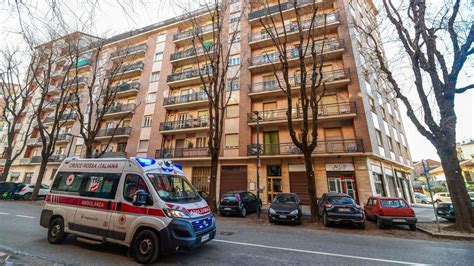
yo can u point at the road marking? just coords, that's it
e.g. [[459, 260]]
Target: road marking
[[315, 252], [24, 216], [4, 213]]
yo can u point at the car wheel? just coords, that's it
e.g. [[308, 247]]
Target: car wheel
[[367, 216], [325, 220], [27, 196], [270, 220], [298, 221], [222, 213], [361, 225], [379, 223], [412, 227], [56, 234], [146, 247], [243, 212]]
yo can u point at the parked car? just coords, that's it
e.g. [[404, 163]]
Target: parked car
[[27, 190], [7, 189], [204, 195], [340, 208], [238, 202], [422, 198], [390, 211], [471, 195], [446, 210], [441, 197], [285, 207]]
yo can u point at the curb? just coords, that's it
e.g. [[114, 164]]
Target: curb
[[444, 235]]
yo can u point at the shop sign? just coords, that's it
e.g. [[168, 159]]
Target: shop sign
[[339, 167]]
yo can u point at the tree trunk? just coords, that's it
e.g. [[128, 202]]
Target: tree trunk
[[6, 170], [39, 180], [213, 182], [457, 188], [310, 178], [89, 151]]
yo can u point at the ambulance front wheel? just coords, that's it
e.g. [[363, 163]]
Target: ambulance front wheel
[[146, 247], [56, 234]]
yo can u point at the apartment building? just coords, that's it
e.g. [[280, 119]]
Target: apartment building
[[362, 147]]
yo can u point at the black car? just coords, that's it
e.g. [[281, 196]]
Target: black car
[[285, 207], [238, 202], [340, 208], [204, 195], [7, 189], [446, 210]]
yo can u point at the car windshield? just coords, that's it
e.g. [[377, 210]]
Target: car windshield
[[342, 200], [395, 203], [173, 188], [229, 197], [471, 194], [285, 199]]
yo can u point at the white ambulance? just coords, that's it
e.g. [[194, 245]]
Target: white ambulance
[[147, 205]]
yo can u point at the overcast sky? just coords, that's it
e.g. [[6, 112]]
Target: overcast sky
[[111, 18]]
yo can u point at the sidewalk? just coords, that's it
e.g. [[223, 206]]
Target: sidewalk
[[431, 228], [9, 257]]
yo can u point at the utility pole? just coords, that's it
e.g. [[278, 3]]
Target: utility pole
[[258, 164], [427, 176]]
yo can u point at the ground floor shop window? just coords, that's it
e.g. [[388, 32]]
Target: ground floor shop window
[[379, 184], [342, 182], [200, 178], [273, 181]]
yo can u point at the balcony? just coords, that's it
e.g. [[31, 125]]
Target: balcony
[[190, 55], [55, 158], [82, 63], [337, 147], [130, 52], [287, 10], [187, 78], [63, 138], [113, 154], [320, 26], [62, 119], [333, 79], [126, 71], [326, 112], [167, 153], [187, 100], [126, 89], [120, 110], [120, 132], [53, 90], [78, 81], [186, 37], [34, 141], [332, 49], [18, 126], [25, 160], [197, 124]]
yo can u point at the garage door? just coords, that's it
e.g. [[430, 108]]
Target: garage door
[[298, 185], [233, 178]]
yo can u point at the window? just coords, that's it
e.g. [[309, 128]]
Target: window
[[233, 84], [132, 184], [201, 142], [159, 56], [161, 37], [273, 170], [372, 103], [236, 37], [28, 177], [390, 143], [155, 76], [378, 134], [232, 111], [151, 97], [100, 185], [234, 60], [384, 116], [68, 182], [147, 120], [78, 150], [378, 184], [143, 146], [231, 141]]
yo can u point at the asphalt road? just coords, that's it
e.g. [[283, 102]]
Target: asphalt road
[[235, 243]]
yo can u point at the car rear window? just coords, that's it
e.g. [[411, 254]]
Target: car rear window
[[342, 200], [397, 203], [229, 197]]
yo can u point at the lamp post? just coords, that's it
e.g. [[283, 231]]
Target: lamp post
[[258, 164]]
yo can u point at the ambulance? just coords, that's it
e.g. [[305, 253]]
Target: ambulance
[[145, 204]]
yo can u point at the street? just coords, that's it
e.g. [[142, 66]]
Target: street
[[235, 243]]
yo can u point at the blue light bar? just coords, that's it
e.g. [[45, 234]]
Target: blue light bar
[[144, 162], [179, 166]]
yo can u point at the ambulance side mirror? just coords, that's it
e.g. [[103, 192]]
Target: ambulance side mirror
[[141, 198]]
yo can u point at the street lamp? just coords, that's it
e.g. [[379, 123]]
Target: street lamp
[[258, 163]]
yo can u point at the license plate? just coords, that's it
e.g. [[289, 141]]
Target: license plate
[[440, 212], [399, 220], [227, 209], [205, 238], [344, 210], [282, 216]]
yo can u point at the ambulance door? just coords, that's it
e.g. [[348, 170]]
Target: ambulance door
[[126, 213], [95, 204]]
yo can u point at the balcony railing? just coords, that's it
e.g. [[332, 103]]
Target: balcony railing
[[186, 98], [130, 50], [292, 28], [74, 81], [126, 87], [63, 137], [187, 74], [112, 154], [328, 46], [182, 153], [324, 110], [185, 124], [322, 147], [126, 68], [52, 158], [189, 52], [190, 33], [109, 132], [71, 116], [276, 8], [272, 85], [121, 108], [80, 64]]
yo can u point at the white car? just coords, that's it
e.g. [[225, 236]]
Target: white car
[[441, 197], [27, 190]]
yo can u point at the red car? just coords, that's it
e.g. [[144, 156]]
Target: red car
[[389, 211]]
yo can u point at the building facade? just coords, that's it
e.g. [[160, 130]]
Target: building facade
[[362, 147]]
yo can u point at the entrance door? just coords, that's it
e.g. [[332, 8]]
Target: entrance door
[[233, 178], [350, 190], [299, 185], [182, 120], [333, 137], [271, 143], [342, 182], [328, 105], [268, 111], [335, 185], [178, 151]]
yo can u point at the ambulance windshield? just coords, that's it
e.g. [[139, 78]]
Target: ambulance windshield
[[173, 188]]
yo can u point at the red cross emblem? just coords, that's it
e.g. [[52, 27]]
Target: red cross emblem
[[70, 180], [122, 219]]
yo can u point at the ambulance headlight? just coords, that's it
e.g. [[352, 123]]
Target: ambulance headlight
[[172, 213]]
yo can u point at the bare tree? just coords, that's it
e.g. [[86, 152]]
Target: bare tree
[[437, 44], [215, 74], [308, 83], [16, 93]]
